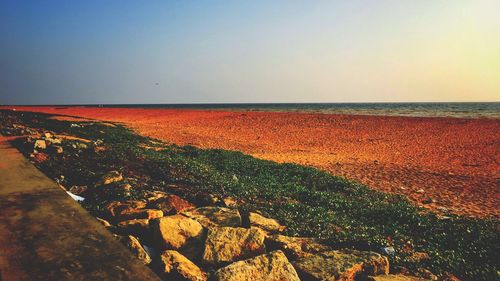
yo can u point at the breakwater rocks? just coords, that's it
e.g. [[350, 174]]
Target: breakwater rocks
[[222, 244]]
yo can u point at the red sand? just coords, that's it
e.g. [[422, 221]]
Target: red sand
[[453, 161]]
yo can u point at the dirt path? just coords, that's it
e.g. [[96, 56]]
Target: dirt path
[[449, 163]]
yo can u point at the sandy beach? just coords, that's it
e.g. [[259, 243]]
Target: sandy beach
[[445, 164]]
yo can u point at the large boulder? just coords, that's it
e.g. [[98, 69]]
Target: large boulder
[[171, 204], [341, 265], [174, 232], [267, 224], [215, 216], [270, 267], [295, 247], [136, 248], [174, 266], [227, 244]]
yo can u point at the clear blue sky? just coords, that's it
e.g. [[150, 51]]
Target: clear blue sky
[[116, 51]]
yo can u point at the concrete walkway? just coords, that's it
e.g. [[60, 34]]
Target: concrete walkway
[[45, 235]]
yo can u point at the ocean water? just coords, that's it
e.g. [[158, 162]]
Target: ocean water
[[458, 110]]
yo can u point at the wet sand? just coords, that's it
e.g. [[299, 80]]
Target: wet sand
[[445, 164]]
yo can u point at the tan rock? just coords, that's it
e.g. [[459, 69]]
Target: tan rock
[[78, 189], [230, 202], [227, 244], [136, 248], [171, 204], [116, 208], [392, 277], [341, 265], [111, 177], [267, 224], [139, 227], [140, 214], [152, 196], [295, 247], [40, 144], [215, 216], [104, 222], [58, 149], [270, 267], [125, 186], [418, 257], [174, 232], [174, 266]]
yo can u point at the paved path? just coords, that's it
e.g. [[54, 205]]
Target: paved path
[[45, 235]]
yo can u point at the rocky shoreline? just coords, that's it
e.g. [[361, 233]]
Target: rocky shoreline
[[187, 234], [442, 164]]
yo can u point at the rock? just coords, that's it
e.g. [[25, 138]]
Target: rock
[[116, 208], [125, 186], [174, 232], [78, 190], [98, 149], [341, 265], [449, 277], [58, 149], [295, 247], [271, 267], [391, 277], [136, 248], [152, 196], [104, 222], [139, 227], [111, 177], [215, 216], [174, 266], [270, 225], [230, 202], [206, 199], [420, 191], [419, 257], [140, 214], [171, 204], [390, 251], [427, 274], [227, 244], [40, 144], [80, 145]]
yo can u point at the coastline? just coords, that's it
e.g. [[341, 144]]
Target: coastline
[[132, 184], [440, 163]]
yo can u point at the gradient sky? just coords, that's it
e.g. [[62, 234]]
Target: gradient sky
[[115, 51]]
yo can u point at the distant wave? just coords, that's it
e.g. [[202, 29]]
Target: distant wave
[[459, 110]]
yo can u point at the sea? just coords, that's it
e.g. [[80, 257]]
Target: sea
[[453, 109]]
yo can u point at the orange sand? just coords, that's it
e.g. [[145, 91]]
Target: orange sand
[[453, 161]]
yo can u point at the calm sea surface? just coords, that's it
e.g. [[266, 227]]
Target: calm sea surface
[[463, 110]]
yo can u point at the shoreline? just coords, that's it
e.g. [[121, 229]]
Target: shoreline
[[443, 164], [134, 184]]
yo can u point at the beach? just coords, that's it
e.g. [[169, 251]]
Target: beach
[[444, 164]]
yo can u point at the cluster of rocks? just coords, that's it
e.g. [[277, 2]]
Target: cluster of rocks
[[181, 241]]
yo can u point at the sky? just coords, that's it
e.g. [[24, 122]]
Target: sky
[[119, 51]]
